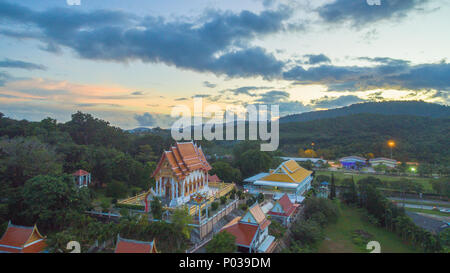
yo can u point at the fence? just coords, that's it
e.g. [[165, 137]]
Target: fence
[[206, 229]]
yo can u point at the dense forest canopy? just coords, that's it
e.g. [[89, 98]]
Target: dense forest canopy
[[412, 108]]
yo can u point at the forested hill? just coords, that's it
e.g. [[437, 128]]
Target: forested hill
[[414, 108], [422, 139]]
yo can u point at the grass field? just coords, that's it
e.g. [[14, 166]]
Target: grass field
[[339, 237], [341, 175]]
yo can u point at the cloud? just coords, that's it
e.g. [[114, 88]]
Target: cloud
[[316, 59], [201, 96], [8, 63], [138, 93], [209, 85], [246, 90], [181, 99], [4, 77], [392, 74], [333, 102], [154, 119], [219, 42], [98, 104], [358, 13], [273, 97]]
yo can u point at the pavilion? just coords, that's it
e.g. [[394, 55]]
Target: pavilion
[[82, 178]]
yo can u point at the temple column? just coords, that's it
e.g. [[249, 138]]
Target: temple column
[[172, 188]]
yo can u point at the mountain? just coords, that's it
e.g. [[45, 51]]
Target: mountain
[[139, 130], [413, 108], [423, 139]]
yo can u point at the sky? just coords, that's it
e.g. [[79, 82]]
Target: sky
[[130, 62]]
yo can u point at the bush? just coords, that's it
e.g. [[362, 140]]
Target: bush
[[260, 198], [223, 200], [214, 206], [243, 207], [129, 206]]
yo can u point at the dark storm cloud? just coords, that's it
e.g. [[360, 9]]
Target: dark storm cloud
[[360, 13], [316, 59], [395, 74], [333, 102], [219, 44], [8, 63]]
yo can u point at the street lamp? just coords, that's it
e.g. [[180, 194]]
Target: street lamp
[[391, 145]]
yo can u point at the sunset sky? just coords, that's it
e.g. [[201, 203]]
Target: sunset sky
[[128, 62]]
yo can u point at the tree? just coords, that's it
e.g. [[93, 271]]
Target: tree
[[24, 158], [226, 172], [223, 242], [254, 161], [182, 220], [49, 200], [116, 189], [332, 188], [156, 208]]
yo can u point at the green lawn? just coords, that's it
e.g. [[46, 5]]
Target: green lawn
[[339, 235], [341, 175]]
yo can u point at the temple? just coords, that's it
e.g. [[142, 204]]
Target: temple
[[181, 172], [133, 246], [21, 239], [284, 210], [289, 178], [252, 231]]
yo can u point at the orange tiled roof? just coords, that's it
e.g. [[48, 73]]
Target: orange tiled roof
[[80, 173], [133, 246], [243, 232], [184, 158], [21, 239], [288, 171], [214, 178], [259, 216]]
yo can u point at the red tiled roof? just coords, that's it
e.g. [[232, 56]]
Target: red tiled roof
[[80, 173], [243, 232], [214, 178], [16, 237], [132, 246], [184, 158], [286, 204]]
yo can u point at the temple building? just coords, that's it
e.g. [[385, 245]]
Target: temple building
[[181, 172], [284, 210], [82, 178], [22, 239], [252, 231], [288, 178], [133, 246]]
